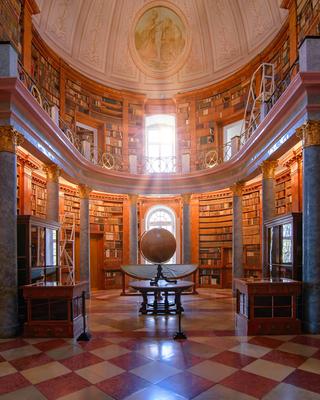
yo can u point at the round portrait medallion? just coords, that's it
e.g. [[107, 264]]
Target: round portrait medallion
[[160, 40]]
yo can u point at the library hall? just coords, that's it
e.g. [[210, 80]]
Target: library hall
[[159, 199]]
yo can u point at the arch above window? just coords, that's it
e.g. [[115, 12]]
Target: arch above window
[[161, 216]]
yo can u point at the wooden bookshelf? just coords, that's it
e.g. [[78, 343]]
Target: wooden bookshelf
[[183, 131], [215, 239], [135, 132], [39, 197], [283, 194], [114, 141], [308, 18], [19, 197], [46, 75], [251, 213], [72, 205]]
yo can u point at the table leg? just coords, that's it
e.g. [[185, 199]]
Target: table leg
[[166, 303], [155, 303], [179, 334], [143, 308]]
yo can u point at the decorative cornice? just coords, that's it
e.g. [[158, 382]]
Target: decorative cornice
[[53, 173], [309, 133], [268, 168], [237, 188], [84, 191], [9, 139]]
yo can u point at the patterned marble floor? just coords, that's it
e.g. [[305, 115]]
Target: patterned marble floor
[[133, 357]]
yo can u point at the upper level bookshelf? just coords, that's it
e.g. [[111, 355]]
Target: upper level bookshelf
[[46, 75]]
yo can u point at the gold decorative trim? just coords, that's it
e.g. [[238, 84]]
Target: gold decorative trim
[[84, 191], [186, 197], [237, 188], [268, 169], [309, 133], [9, 139], [53, 173], [133, 198]]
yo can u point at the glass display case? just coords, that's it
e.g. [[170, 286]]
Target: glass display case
[[37, 253], [283, 246]]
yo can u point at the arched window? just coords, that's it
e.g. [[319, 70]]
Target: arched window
[[162, 217]]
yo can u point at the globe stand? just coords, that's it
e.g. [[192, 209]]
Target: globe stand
[[160, 276]]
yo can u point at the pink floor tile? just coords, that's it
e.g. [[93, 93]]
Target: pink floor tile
[[233, 359], [285, 358], [13, 344], [130, 361], [122, 385], [94, 343], [186, 384], [31, 361], [50, 344], [182, 360], [305, 380], [307, 340], [248, 383], [81, 361], [12, 382], [266, 341], [61, 386]]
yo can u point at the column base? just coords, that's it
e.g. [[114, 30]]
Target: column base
[[311, 327], [10, 331]]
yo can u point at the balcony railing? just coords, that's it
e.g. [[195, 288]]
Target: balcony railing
[[149, 165]]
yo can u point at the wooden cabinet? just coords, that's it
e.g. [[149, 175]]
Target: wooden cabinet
[[54, 310], [37, 253], [112, 278], [267, 307], [283, 246], [218, 271]]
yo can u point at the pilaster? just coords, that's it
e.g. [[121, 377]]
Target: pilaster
[[84, 256]]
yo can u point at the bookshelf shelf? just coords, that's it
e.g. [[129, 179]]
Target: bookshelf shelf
[[215, 240]]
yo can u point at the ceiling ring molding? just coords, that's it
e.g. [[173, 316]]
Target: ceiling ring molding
[[172, 24]]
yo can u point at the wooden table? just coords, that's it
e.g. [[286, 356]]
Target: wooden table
[[163, 307], [158, 306]]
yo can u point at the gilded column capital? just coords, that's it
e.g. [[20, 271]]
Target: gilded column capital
[[236, 189], [84, 191], [133, 198], [9, 139], [186, 197], [309, 133], [53, 173], [268, 169]]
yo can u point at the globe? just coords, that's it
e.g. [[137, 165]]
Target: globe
[[157, 245]]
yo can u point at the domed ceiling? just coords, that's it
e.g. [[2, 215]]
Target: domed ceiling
[[160, 47]]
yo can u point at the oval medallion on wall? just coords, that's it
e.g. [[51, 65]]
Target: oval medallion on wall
[[159, 41]]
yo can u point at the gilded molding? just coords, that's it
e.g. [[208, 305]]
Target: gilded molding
[[53, 173], [9, 139], [237, 188], [309, 133], [84, 191], [268, 169], [186, 197], [133, 198]]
